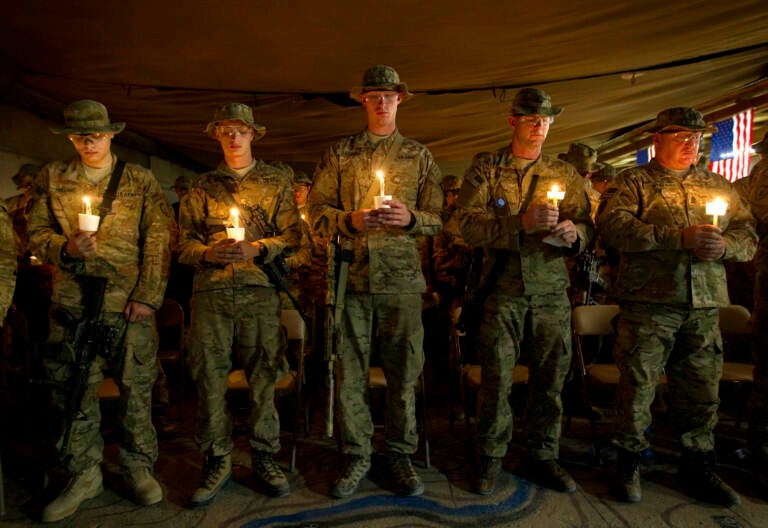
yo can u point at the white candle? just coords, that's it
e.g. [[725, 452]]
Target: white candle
[[555, 194], [716, 208], [87, 203], [380, 176], [235, 217]]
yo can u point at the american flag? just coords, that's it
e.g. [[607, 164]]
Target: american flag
[[729, 155], [645, 155]]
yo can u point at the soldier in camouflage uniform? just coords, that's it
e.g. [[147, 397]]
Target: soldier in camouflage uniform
[[18, 206], [670, 283], [7, 261], [233, 300], [504, 209], [383, 302], [758, 402], [131, 249]]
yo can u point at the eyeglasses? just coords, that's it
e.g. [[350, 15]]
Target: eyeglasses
[[683, 137], [375, 97], [534, 120], [232, 131], [80, 139]]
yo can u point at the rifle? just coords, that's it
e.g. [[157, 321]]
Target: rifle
[[589, 264], [91, 336], [340, 254], [276, 269]]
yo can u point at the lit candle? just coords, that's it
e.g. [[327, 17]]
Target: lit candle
[[380, 176], [235, 217], [555, 195], [87, 203], [716, 209]]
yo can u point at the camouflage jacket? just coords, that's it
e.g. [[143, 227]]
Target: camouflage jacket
[[133, 240], [490, 217], [758, 203], [644, 221], [7, 261], [205, 214], [386, 260], [451, 256]]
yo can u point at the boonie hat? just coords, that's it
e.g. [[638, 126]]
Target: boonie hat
[[582, 157], [235, 112], [380, 77], [605, 173], [181, 183], [301, 178], [450, 183], [28, 170], [87, 117], [681, 118], [530, 101]]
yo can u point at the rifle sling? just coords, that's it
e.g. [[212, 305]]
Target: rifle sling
[[111, 192]]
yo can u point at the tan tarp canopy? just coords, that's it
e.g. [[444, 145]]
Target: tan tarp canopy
[[164, 66]]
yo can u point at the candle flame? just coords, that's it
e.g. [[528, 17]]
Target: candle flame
[[87, 202], [235, 217], [380, 176]]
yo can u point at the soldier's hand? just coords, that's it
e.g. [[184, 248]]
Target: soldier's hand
[[565, 231], [224, 251], [82, 245], [365, 220], [136, 311], [397, 215], [540, 216], [250, 250], [705, 241]]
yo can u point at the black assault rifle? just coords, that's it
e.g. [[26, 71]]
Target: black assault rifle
[[340, 254], [91, 337]]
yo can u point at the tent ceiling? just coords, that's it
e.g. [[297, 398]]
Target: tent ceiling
[[164, 68]]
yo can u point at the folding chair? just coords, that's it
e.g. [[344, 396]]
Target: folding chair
[[291, 383], [170, 328], [735, 329]]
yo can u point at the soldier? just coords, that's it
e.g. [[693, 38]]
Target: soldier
[[131, 249], [507, 207], [582, 157], [233, 299], [18, 206], [7, 261], [383, 301], [670, 283], [758, 404]]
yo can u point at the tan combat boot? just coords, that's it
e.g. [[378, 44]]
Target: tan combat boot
[[81, 487], [146, 490], [217, 471]]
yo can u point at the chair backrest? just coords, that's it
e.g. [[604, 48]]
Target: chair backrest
[[734, 319], [594, 319]]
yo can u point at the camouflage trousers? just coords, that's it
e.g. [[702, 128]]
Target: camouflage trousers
[[538, 328], [248, 317], [390, 325], [758, 400], [131, 361], [687, 345]]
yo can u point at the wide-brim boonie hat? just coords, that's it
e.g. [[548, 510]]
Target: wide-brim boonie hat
[[761, 147], [581, 156], [681, 118], [235, 112], [87, 117], [532, 101], [380, 77], [28, 170]]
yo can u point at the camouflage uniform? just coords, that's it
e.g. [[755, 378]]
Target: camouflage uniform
[[528, 311], [758, 403], [383, 302], [236, 302], [669, 298], [7, 261], [134, 255]]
